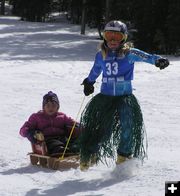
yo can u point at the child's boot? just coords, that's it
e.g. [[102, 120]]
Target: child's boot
[[120, 159], [84, 166], [93, 159]]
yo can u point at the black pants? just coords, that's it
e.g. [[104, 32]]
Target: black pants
[[57, 144]]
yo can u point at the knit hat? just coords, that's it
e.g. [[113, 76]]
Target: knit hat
[[50, 97]]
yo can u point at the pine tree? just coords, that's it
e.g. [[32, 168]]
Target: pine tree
[[173, 27], [32, 10], [2, 11], [160, 13]]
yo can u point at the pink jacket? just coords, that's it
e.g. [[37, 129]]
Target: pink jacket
[[55, 125]]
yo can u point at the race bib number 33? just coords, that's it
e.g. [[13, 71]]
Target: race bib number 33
[[112, 68]]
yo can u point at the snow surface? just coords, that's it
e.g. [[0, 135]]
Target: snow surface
[[38, 57]]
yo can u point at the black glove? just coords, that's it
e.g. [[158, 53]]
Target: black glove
[[162, 63], [31, 136], [88, 87]]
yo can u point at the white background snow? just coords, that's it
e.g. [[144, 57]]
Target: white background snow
[[38, 57]]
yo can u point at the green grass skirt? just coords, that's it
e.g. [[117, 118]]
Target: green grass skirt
[[102, 124]]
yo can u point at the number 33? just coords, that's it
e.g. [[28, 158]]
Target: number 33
[[112, 68]]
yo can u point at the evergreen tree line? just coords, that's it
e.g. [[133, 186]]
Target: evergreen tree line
[[154, 24]]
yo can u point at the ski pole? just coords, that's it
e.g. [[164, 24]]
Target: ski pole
[[62, 157]]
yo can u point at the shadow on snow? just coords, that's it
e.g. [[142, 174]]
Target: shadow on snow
[[44, 41]]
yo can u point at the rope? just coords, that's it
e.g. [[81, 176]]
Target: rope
[[62, 157]]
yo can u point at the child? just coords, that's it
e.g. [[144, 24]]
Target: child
[[113, 117], [54, 125]]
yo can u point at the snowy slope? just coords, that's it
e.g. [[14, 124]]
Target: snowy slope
[[36, 58]]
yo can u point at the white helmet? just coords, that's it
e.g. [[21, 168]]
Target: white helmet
[[117, 26]]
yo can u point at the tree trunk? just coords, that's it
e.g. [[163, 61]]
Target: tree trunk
[[2, 7], [83, 20], [107, 11]]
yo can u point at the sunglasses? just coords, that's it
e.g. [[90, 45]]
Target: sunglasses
[[113, 35]]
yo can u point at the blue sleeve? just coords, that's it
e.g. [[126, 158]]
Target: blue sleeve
[[96, 69], [136, 55]]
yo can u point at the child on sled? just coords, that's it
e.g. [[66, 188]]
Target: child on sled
[[112, 120], [55, 126]]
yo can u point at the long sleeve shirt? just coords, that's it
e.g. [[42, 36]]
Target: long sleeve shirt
[[117, 71]]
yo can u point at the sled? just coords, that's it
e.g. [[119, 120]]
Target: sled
[[69, 161], [41, 158]]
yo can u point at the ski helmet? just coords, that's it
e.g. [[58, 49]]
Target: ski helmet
[[116, 26]]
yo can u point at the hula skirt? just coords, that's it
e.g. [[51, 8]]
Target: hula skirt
[[112, 125]]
